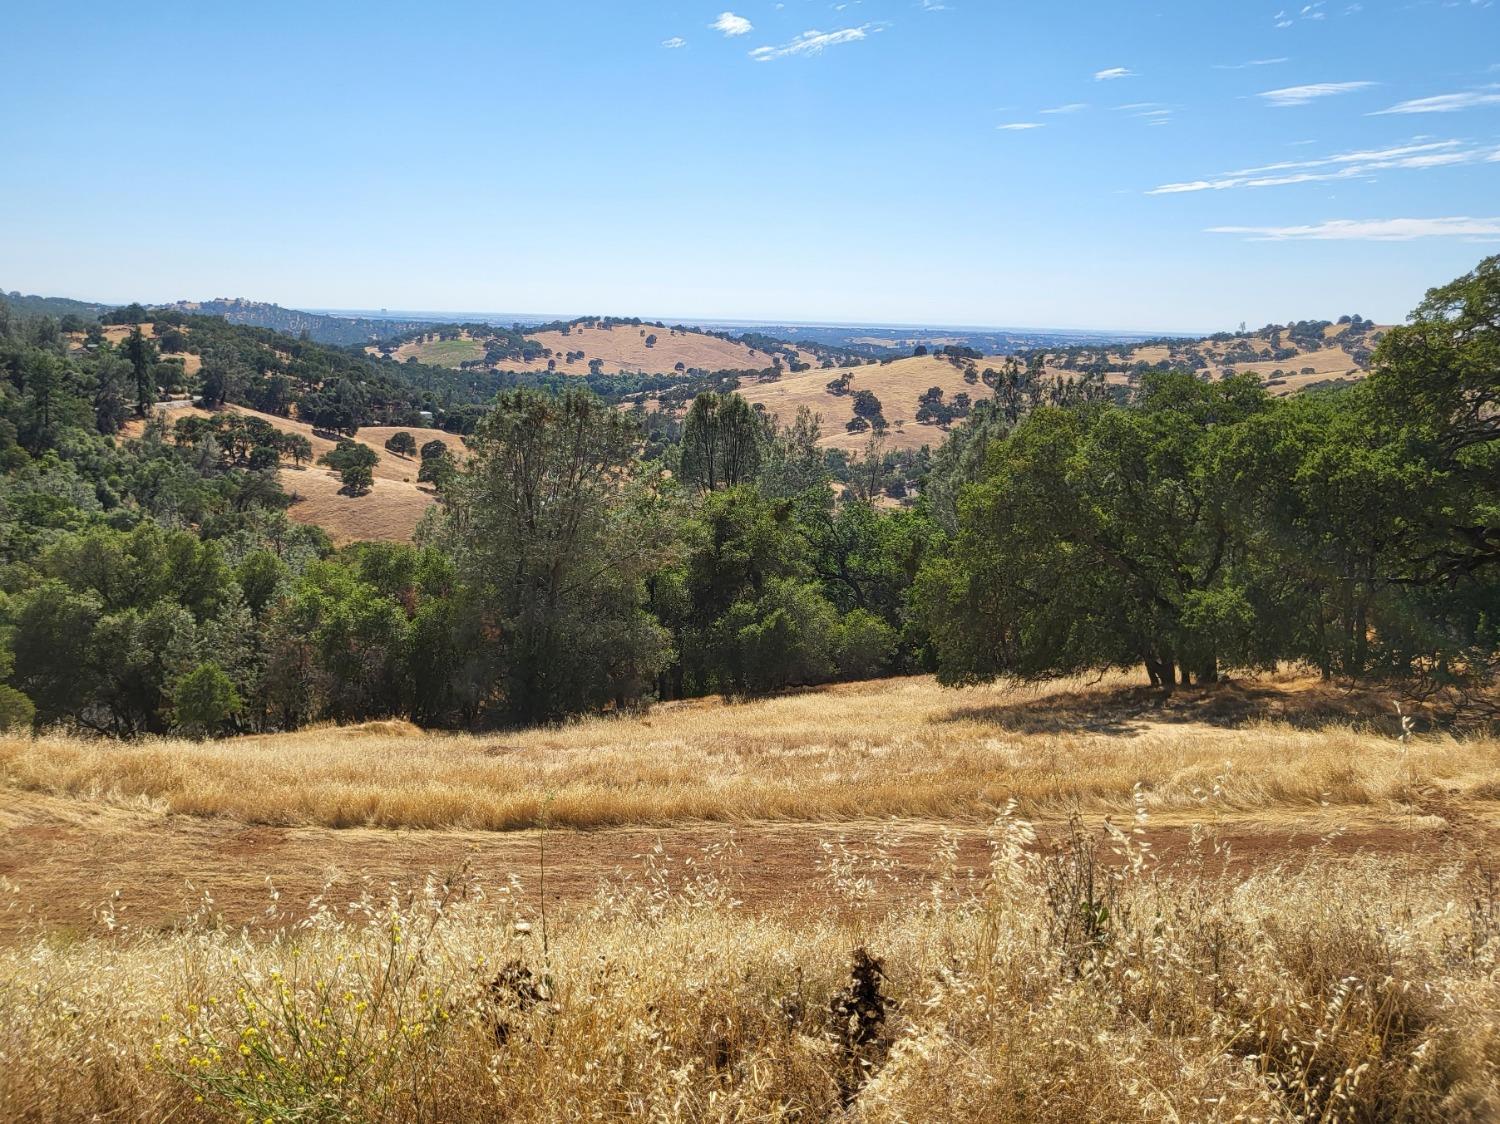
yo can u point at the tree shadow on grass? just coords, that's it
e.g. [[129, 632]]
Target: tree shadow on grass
[[1231, 704]]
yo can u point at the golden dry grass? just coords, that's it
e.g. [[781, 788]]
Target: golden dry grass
[[903, 748], [1063, 988], [622, 348]]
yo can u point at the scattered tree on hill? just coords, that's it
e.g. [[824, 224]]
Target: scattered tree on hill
[[297, 447], [438, 468], [354, 463], [403, 444]]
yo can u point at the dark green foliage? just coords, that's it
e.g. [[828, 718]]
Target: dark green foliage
[[438, 468], [585, 556], [403, 444], [1209, 525], [553, 538], [722, 442], [204, 701], [354, 462]]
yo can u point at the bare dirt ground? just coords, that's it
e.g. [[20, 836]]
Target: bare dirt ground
[[66, 865]]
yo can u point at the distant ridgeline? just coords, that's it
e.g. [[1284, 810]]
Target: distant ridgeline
[[1285, 356], [22, 304], [841, 342], [340, 330], [335, 388]]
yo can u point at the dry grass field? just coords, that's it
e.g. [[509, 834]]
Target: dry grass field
[[871, 902], [1328, 362]]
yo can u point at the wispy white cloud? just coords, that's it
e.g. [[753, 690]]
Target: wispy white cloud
[[1446, 103], [1369, 230], [1113, 73], [1071, 107], [732, 25], [1301, 95], [813, 43], [1252, 63], [1020, 126], [934, 6], [1153, 112], [674, 43], [1347, 165], [1313, 11]]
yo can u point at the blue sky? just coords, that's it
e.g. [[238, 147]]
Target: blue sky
[[1099, 163]]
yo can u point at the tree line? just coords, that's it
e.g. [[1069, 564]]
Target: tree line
[[581, 560]]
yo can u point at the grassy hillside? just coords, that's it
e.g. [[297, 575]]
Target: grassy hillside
[[898, 385], [389, 512], [1286, 364], [619, 347]]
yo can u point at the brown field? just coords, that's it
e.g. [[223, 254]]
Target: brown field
[[1328, 362], [1249, 903], [389, 512]]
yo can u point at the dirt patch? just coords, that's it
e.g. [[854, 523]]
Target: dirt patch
[[67, 864]]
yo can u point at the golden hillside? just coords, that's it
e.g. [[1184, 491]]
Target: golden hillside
[[623, 348], [900, 384], [389, 512]]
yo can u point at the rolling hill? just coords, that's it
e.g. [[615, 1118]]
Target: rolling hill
[[600, 346], [1288, 359], [388, 512], [29, 304], [338, 330]]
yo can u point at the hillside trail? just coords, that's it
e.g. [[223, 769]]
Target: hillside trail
[[66, 864]]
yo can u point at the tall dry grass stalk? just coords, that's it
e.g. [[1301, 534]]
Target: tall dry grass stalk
[[1073, 986], [905, 748]]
